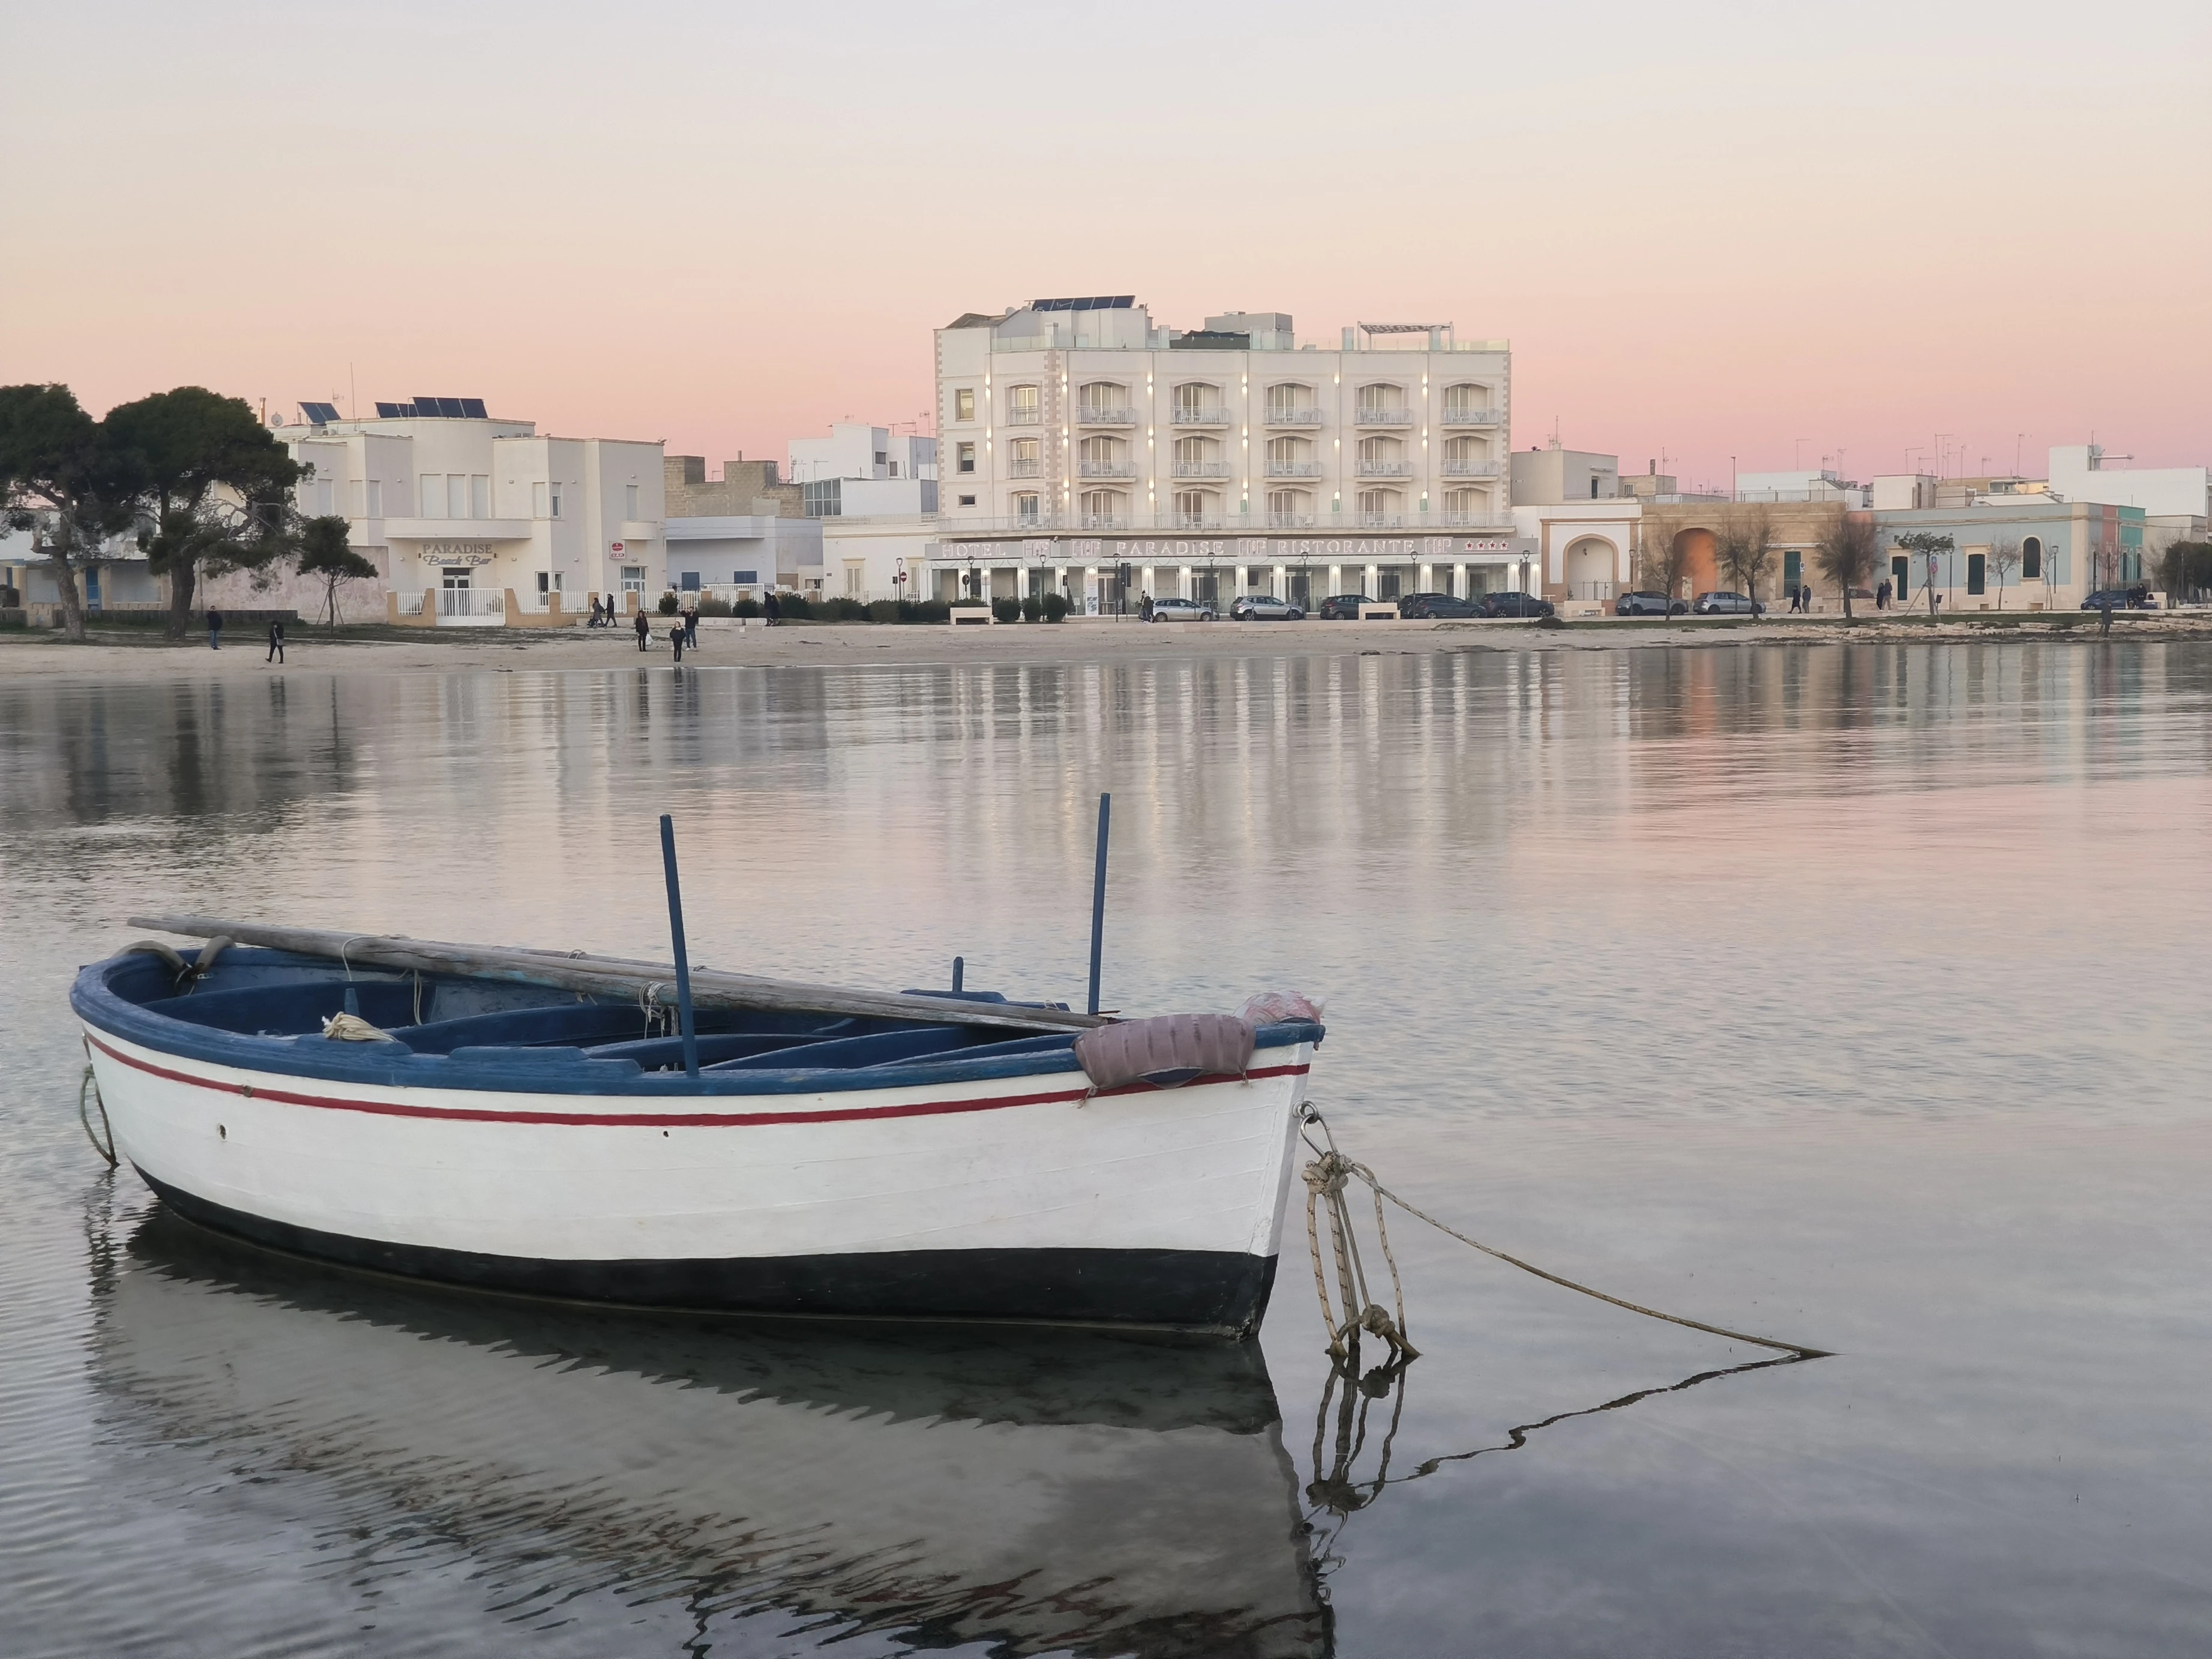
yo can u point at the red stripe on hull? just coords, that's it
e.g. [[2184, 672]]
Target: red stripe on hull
[[655, 1119]]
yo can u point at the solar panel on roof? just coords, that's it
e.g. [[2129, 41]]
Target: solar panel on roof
[[320, 413], [425, 406], [473, 407], [392, 411], [452, 410], [1088, 303]]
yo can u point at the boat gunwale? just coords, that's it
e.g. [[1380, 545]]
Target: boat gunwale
[[549, 1070]]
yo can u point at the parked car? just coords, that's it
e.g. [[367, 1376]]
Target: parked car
[[1181, 611], [1342, 607], [1515, 605], [1436, 607], [1265, 607], [1728, 604], [2121, 599], [1648, 605]]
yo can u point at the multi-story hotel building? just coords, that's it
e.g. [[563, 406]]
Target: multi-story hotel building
[[1077, 441]]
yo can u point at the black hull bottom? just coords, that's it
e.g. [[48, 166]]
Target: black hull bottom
[[1209, 1291]]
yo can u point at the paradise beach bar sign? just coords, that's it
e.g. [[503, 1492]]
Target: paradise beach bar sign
[[456, 552]]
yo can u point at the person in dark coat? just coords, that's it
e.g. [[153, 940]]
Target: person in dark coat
[[769, 609], [691, 626], [214, 631], [277, 641], [676, 641], [644, 630]]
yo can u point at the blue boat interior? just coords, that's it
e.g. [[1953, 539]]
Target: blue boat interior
[[275, 994]]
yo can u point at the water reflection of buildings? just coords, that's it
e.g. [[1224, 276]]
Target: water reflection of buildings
[[1042, 1491]]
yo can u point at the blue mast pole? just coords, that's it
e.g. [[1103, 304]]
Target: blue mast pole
[[1099, 899], [676, 935]]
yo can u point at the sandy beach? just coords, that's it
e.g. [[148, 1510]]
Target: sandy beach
[[140, 654]]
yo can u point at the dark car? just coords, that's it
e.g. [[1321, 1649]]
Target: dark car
[[2120, 598], [1342, 607], [1436, 607], [1648, 605], [1728, 604], [1515, 605]]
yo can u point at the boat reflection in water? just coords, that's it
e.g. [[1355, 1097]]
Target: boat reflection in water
[[1038, 1490]]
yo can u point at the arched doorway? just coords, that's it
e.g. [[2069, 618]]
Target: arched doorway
[[1592, 569], [1700, 562]]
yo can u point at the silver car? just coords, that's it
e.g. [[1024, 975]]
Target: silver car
[[1181, 611], [1265, 607]]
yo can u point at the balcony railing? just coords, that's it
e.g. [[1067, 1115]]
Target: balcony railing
[[1287, 417], [1190, 414], [1023, 417], [1468, 415], [1379, 520], [1473, 520], [1289, 520], [1386, 469], [1105, 414], [1472, 469], [1025, 469], [1106, 521], [1201, 469], [1372, 414], [1191, 520], [1106, 470], [1294, 469]]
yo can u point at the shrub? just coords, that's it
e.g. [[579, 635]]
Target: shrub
[[1007, 610], [791, 608], [886, 611], [711, 606], [846, 609], [929, 611], [1032, 608], [1055, 607], [668, 603], [744, 605]]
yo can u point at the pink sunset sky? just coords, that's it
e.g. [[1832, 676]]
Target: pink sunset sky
[[1775, 234]]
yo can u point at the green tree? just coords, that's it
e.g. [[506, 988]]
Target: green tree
[[1847, 554], [1927, 544], [61, 479], [326, 555], [219, 489]]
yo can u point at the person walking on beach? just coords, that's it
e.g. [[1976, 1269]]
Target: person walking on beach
[[1144, 607], [769, 609], [676, 641], [644, 630], [214, 631], [277, 641], [691, 626]]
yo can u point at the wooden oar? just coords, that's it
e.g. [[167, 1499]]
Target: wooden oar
[[618, 976]]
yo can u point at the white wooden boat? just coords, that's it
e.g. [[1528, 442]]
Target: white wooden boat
[[523, 1122], [1047, 1492]]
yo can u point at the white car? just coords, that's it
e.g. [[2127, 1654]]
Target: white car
[[1181, 611], [1264, 607]]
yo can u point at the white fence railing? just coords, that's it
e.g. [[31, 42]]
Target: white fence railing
[[472, 602], [1468, 415], [1287, 417]]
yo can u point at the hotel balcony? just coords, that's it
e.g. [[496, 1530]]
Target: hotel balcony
[[1473, 520], [1106, 470], [1294, 469], [1190, 521], [1104, 415], [1386, 469], [1467, 414], [1375, 416], [1474, 469], [1201, 469], [1379, 520], [1025, 469], [1294, 418], [1289, 520], [1023, 417], [459, 529], [1185, 415], [1106, 521]]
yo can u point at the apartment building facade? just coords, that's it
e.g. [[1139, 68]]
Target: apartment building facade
[[1085, 450], [472, 519]]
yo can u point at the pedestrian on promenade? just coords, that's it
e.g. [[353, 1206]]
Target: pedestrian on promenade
[[691, 626], [676, 641], [277, 641], [769, 609], [1144, 607], [214, 631], [644, 630]]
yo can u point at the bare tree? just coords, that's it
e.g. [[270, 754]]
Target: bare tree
[[2002, 559], [1847, 554], [1663, 561], [1744, 548]]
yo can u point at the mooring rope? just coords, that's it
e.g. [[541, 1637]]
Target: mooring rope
[[90, 1085], [1331, 1168]]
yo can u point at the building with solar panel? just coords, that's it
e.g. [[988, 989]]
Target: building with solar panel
[[1084, 450], [476, 521]]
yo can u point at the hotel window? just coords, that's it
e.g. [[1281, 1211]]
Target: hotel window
[[1102, 508], [1288, 399], [963, 403], [966, 500], [376, 498], [479, 496], [1022, 406], [432, 502], [1025, 507], [1025, 458], [1284, 504], [556, 493], [1461, 402], [1192, 506], [965, 456], [1381, 400], [1104, 398], [630, 502]]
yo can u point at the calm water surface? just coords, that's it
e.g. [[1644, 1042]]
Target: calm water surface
[[1857, 996]]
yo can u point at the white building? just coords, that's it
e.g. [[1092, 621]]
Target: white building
[[744, 556], [1078, 440], [450, 502], [862, 470], [1553, 474], [2078, 473]]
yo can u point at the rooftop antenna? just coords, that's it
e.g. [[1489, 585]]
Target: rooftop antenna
[[353, 395]]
